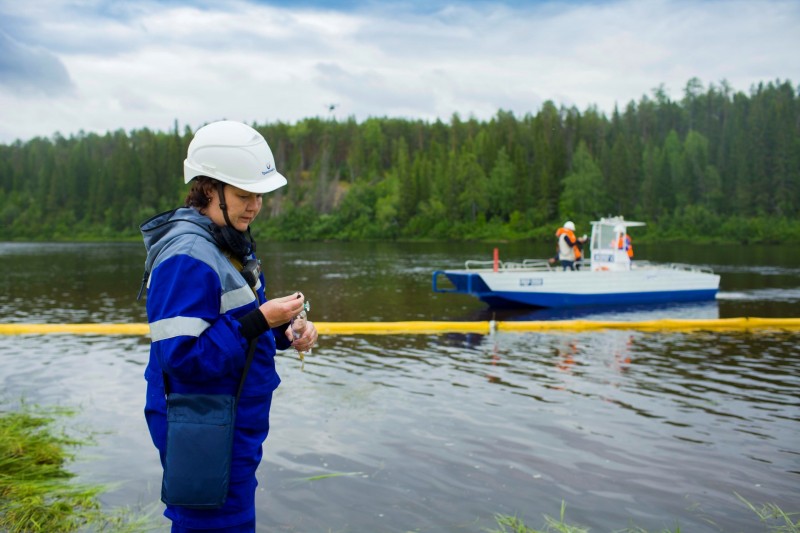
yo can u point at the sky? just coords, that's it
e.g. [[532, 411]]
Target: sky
[[102, 65]]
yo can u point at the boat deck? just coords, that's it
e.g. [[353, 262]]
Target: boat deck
[[543, 265]]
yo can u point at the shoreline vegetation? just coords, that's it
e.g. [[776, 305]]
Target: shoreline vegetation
[[714, 166], [38, 493], [695, 228]]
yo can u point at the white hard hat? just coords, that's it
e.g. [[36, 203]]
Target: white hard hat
[[233, 153], [619, 228], [569, 225]]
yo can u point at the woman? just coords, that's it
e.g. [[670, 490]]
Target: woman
[[206, 303]]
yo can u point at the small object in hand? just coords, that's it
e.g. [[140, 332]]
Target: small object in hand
[[299, 324]]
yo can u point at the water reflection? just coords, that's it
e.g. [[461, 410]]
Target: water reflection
[[685, 310], [783, 295]]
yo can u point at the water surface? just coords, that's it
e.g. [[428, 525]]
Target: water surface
[[439, 433]]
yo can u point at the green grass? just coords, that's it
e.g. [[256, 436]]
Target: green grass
[[776, 520], [772, 518], [334, 474], [37, 492], [513, 524]]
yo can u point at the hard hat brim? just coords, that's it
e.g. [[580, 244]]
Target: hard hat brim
[[275, 180]]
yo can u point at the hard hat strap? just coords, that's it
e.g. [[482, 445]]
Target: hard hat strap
[[222, 205], [239, 242]]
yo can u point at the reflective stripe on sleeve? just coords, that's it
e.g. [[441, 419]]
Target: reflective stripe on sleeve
[[236, 298], [176, 327]]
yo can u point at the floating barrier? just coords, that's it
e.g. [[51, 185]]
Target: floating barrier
[[440, 327], [74, 329]]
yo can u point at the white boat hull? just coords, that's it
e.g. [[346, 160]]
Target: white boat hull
[[566, 289]]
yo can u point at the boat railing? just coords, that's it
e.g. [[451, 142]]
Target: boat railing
[[673, 266], [475, 264], [535, 265], [544, 265], [690, 268]]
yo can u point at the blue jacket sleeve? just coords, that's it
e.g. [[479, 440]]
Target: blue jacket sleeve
[[281, 342], [191, 339]]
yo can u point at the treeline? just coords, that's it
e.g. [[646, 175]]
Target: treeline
[[715, 165]]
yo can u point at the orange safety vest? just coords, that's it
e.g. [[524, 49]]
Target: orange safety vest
[[571, 236], [625, 243]]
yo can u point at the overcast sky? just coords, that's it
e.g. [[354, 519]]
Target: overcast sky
[[100, 65]]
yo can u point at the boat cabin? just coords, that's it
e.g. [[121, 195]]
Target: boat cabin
[[607, 235]]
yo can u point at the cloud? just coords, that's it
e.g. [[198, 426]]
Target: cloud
[[148, 63], [25, 69]]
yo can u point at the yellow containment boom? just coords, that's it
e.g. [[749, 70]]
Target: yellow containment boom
[[439, 327]]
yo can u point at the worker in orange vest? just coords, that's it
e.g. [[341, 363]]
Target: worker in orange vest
[[624, 241], [569, 247]]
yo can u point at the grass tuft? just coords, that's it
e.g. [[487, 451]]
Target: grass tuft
[[37, 492], [770, 513], [773, 518]]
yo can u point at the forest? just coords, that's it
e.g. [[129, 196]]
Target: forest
[[716, 165]]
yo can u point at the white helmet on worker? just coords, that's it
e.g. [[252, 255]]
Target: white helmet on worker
[[569, 225], [619, 228], [233, 153]]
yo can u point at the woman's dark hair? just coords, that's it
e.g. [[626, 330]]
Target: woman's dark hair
[[200, 192]]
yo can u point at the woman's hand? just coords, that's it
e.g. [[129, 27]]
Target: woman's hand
[[279, 311], [306, 340]]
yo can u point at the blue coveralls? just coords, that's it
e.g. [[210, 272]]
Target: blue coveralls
[[195, 296]]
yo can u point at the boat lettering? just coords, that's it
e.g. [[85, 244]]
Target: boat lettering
[[527, 282], [603, 258]]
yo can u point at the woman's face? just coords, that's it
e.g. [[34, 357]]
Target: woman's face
[[242, 206]]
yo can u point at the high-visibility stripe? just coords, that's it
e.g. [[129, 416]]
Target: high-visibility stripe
[[236, 298], [427, 327], [168, 328]]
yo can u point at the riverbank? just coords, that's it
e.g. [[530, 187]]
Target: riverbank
[[695, 226]]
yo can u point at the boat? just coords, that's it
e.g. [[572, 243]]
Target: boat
[[607, 277]]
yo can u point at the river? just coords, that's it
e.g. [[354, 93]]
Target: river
[[438, 433]]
